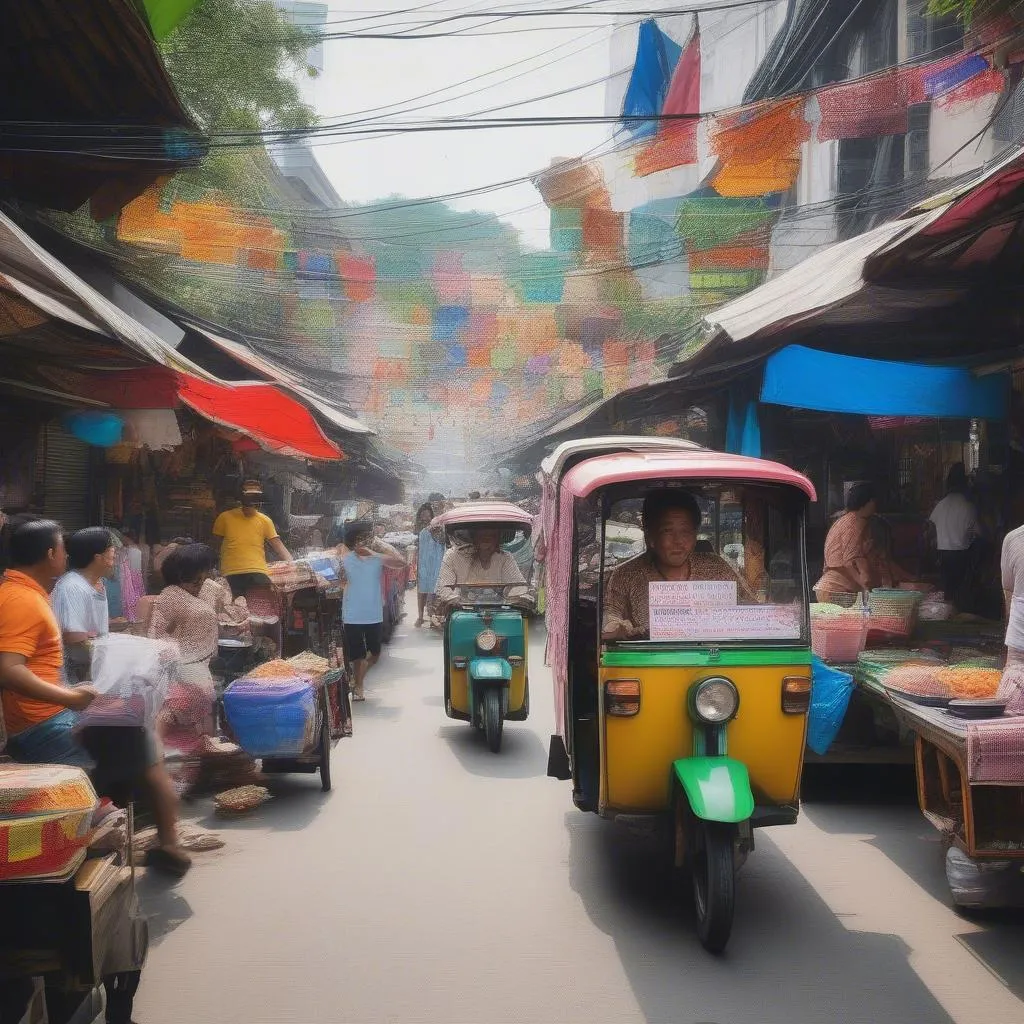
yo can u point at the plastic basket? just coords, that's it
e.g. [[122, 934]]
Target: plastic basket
[[273, 717], [894, 611], [839, 639]]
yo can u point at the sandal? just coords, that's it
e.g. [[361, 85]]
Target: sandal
[[168, 861]]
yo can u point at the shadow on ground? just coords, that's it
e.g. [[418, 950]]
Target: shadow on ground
[[522, 755], [859, 799], [783, 931]]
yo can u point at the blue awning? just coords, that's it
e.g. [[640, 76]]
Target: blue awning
[[806, 378]]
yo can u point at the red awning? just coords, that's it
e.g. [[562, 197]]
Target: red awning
[[278, 422]]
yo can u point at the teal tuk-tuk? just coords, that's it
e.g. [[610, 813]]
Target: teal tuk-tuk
[[486, 641]]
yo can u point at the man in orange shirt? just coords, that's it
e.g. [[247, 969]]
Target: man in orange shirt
[[38, 708]]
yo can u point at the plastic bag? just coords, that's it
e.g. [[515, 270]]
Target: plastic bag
[[830, 697], [132, 675], [984, 883]]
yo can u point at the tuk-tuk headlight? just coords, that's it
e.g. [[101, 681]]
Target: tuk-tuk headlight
[[487, 640], [715, 700]]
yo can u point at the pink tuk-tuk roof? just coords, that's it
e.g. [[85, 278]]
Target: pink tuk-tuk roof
[[485, 513], [585, 478]]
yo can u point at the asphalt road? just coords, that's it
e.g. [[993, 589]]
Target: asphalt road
[[439, 883]]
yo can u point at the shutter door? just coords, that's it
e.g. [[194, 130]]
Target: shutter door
[[66, 492]]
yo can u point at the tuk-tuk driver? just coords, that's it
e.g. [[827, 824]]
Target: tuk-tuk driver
[[480, 563], [671, 521]]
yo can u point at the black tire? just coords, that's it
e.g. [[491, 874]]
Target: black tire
[[714, 883], [493, 718], [325, 755]]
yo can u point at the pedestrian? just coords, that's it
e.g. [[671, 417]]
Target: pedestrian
[[954, 521], [429, 553], [179, 614], [1011, 686], [39, 708], [79, 599], [244, 534], [362, 570], [131, 573]]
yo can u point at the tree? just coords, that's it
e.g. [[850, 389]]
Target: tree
[[235, 64], [967, 10]]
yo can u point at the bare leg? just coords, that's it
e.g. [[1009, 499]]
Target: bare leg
[[165, 807], [359, 668], [421, 602]]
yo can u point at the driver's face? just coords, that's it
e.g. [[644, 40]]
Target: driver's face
[[673, 538], [486, 541]]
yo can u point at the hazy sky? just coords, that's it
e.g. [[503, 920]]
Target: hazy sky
[[364, 74]]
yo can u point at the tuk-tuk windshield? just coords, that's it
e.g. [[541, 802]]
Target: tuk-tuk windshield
[[736, 576]]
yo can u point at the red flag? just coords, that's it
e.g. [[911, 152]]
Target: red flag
[[676, 141]]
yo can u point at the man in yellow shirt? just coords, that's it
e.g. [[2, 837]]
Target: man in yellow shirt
[[243, 534]]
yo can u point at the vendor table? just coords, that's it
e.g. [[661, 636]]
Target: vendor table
[[983, 819]]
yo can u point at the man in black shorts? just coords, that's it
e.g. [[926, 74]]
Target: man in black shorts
[[362, 566]]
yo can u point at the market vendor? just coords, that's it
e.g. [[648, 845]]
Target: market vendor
[[848, 568], [243, 535], [671, 521]]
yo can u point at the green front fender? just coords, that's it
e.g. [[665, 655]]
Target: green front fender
[[718, 788]]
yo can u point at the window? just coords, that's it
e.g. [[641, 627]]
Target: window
[[745, 562], [931, 38]]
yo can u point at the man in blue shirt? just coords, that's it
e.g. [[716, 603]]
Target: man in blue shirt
[[362, 568]]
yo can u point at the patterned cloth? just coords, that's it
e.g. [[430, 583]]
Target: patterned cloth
[[428, 562], [133, 587], [845, 543], [1012, 567], [188, 621], [628, 593]]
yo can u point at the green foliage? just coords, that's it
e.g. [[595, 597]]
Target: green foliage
[[234, 64], [967, 10], [488, 244]]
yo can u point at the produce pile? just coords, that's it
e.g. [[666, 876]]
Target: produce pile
[[962, 681]]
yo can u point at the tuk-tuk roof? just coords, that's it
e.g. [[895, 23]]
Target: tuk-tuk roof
[[553, 465], [485, 513], [701, 463]]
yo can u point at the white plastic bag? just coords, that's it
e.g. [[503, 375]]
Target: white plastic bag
[[132, 675]]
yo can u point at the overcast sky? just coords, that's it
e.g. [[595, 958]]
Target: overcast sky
[[362, 74]]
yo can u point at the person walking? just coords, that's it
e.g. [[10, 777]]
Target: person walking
[[429, 552], [79, 599], [362, 568], [243, 535]]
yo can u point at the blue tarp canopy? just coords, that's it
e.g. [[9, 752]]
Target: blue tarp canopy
[[656, 58], [805, 378]]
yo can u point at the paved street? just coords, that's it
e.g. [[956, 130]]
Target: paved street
[[440, 883]]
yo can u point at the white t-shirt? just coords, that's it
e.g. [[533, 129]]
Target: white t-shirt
[[956, 522], [1012, 566]]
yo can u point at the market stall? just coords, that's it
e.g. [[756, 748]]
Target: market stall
[[69, 915]]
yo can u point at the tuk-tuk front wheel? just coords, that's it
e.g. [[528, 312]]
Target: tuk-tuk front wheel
[[493, 717], [713, 864]]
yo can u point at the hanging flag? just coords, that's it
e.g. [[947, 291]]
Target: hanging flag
[[656, 58], [676, 141]]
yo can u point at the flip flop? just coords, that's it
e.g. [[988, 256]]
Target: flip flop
[[167, 862], [358, 696]]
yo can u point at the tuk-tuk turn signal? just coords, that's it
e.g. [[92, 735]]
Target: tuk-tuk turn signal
[[796, 694], [622, 697]]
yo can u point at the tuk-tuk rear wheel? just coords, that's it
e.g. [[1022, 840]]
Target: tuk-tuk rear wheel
[[714, 883]]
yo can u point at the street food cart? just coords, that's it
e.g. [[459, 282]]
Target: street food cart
[[69, 915]]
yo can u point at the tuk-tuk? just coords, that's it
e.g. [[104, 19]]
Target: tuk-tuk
[[486, 680], [694, 715]]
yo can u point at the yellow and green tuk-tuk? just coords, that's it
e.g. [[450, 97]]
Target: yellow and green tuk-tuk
[[679, 642]]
